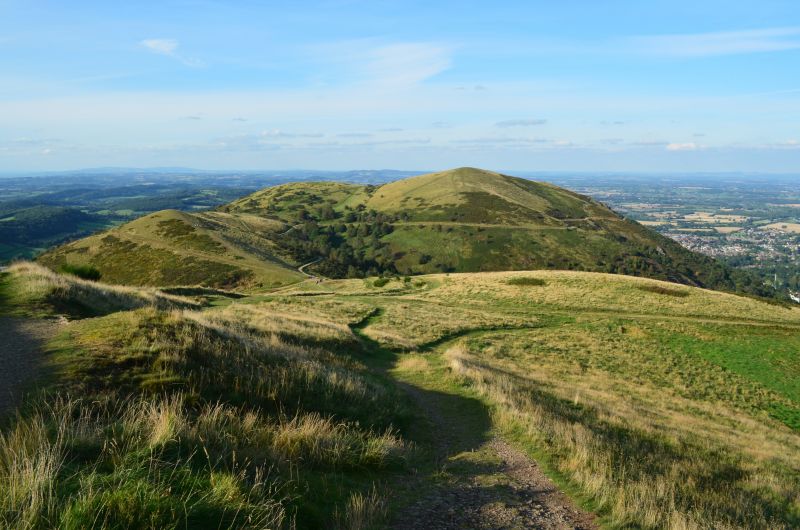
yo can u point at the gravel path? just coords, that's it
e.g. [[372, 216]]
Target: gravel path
[[21, 344], [491, 485]]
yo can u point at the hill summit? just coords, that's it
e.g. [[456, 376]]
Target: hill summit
[[460, 220]]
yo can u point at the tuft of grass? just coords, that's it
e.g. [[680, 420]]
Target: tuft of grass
[[363, 511]]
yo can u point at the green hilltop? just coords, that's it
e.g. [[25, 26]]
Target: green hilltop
[[461, 220]]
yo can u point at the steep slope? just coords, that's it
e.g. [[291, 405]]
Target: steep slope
[[462, 220]]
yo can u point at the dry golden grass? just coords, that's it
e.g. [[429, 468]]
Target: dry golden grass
[[677, 480], [408, 324], [588, 292], [783, 227], [34, 284]]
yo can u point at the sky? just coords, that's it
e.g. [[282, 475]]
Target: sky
[[575, 85]]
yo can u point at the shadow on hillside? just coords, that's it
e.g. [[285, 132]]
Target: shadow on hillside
[[446, 423]]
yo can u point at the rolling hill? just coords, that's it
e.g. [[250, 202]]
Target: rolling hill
[[462, 220], [544, 399]]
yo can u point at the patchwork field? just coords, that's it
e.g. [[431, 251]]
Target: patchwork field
[[783, 227]]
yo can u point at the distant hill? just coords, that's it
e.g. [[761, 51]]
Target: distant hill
[[462, 220]]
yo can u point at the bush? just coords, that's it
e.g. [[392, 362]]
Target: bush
[[380, 282], [525, 280], [658, 289], [86, 272]]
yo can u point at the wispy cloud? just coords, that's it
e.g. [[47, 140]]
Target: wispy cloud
[[407, 63], [520, 123], [169, 48], [720, 42]]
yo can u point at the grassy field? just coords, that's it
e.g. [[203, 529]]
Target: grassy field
[[662, 405], [655, 405]]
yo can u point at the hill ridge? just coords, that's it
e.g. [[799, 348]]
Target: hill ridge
[[458, 220]]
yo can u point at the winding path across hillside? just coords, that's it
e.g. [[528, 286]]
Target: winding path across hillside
[[491, 485], [23, 343]]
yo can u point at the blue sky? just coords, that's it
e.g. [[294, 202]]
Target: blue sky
[[342, 84]]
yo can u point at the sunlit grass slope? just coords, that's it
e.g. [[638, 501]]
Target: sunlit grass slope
[[160, 417], [177, 248], [668, 406]]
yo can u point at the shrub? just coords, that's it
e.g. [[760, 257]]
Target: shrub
[[658, 289], [86, 272], [525, 281], [380, 282]]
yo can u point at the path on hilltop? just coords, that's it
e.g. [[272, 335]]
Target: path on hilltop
[[471, 478], [23, 342], [489, 484]]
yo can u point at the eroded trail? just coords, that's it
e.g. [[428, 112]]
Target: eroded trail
[[21, 346], [484, 483]]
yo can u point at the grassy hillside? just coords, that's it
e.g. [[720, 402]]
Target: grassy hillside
[[664, 406], [152, 416], [176, 248], [346, 403], [463, 220], [467, 220]]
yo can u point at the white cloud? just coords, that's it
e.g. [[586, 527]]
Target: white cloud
[[688, 146], [720, 43], [161, 46], [168, 48]]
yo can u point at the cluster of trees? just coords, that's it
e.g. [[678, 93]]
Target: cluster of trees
[[39, 222], [679, 265], [349, 247]]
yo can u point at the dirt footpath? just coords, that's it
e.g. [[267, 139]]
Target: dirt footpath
[[21, 345], [491, 485]]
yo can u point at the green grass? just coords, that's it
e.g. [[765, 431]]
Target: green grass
[[766, 357], [655, 410], [172, 248], [86, 272], [191, 420]]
